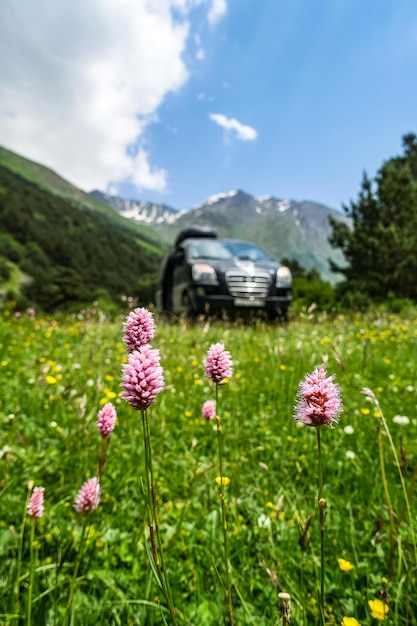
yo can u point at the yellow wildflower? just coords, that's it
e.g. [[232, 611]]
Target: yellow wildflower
[[51, 380], [350, 621], [188, 413], [225, 480], [365, 411], [345, 566], [109, 393], [378, 608]]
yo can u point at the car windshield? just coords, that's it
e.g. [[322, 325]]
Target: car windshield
[[220, 249]]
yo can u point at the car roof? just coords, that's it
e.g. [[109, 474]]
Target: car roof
[[194, 232]]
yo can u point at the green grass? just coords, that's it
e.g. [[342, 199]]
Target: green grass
[[56, 375]]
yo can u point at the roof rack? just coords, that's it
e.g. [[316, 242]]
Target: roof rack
[[193, 232]]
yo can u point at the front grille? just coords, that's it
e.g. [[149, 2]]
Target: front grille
[[244, 285]]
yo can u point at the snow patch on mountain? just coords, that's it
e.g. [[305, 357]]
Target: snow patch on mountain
[[219, 196], [283, 205]]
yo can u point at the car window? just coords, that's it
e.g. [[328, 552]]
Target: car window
[[209, 249], [223, 250], [247, 251]]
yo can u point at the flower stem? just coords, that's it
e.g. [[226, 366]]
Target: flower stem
[[321, 503], [223, 508], [389, 505], [32, 574], [102, 458], [153, 520], [285, 607], [75, 572], [19, 558], [404, 488]]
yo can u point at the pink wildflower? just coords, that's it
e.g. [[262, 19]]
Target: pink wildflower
[[35, 505], [106, 420], [208, 409], [139, 329], [142, 377], [319, 402], [218, 363], [88, 496], [31, 312]]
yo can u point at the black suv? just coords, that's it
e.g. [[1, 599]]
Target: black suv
[[205, 274]]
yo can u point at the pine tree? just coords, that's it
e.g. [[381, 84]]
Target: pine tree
[[380, 245]]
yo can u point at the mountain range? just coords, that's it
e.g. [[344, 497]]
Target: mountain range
[[285, 229]]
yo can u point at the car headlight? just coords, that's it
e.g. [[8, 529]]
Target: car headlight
[[203, 272], [284, 277]]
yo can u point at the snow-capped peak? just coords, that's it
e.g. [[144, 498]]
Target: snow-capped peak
[[284, 205], [220, 196]]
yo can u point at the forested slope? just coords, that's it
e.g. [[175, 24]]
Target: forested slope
[[68, 253]]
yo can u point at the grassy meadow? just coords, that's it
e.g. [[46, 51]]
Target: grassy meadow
[[57, 373]]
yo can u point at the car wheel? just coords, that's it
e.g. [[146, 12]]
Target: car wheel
[[187, 308]]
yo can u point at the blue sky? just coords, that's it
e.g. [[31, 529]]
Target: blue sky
[[175, 100]]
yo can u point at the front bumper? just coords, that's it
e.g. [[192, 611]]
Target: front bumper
[[205, 302]]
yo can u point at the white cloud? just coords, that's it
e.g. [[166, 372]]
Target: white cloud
[[82, 79], [145, 176], [243, 132], [217, 10]]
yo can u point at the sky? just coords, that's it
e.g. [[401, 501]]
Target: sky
[[172, 101]]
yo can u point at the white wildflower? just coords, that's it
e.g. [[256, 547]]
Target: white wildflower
[[402, 420], [264, 521]]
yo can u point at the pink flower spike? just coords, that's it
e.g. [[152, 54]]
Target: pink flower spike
[[139, 329], [218, 363], [35, 505], [142, 378], [106, 420], [88, 496], [319, 400], [208, 409]]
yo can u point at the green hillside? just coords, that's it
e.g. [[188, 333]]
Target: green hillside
[[48, 180], [57, 251]]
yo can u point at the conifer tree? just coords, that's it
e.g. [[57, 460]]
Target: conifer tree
[[380, 244]]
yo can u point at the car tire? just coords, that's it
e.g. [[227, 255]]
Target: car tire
[[187, 307]]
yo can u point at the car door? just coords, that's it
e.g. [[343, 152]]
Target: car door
[[181, 279]]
